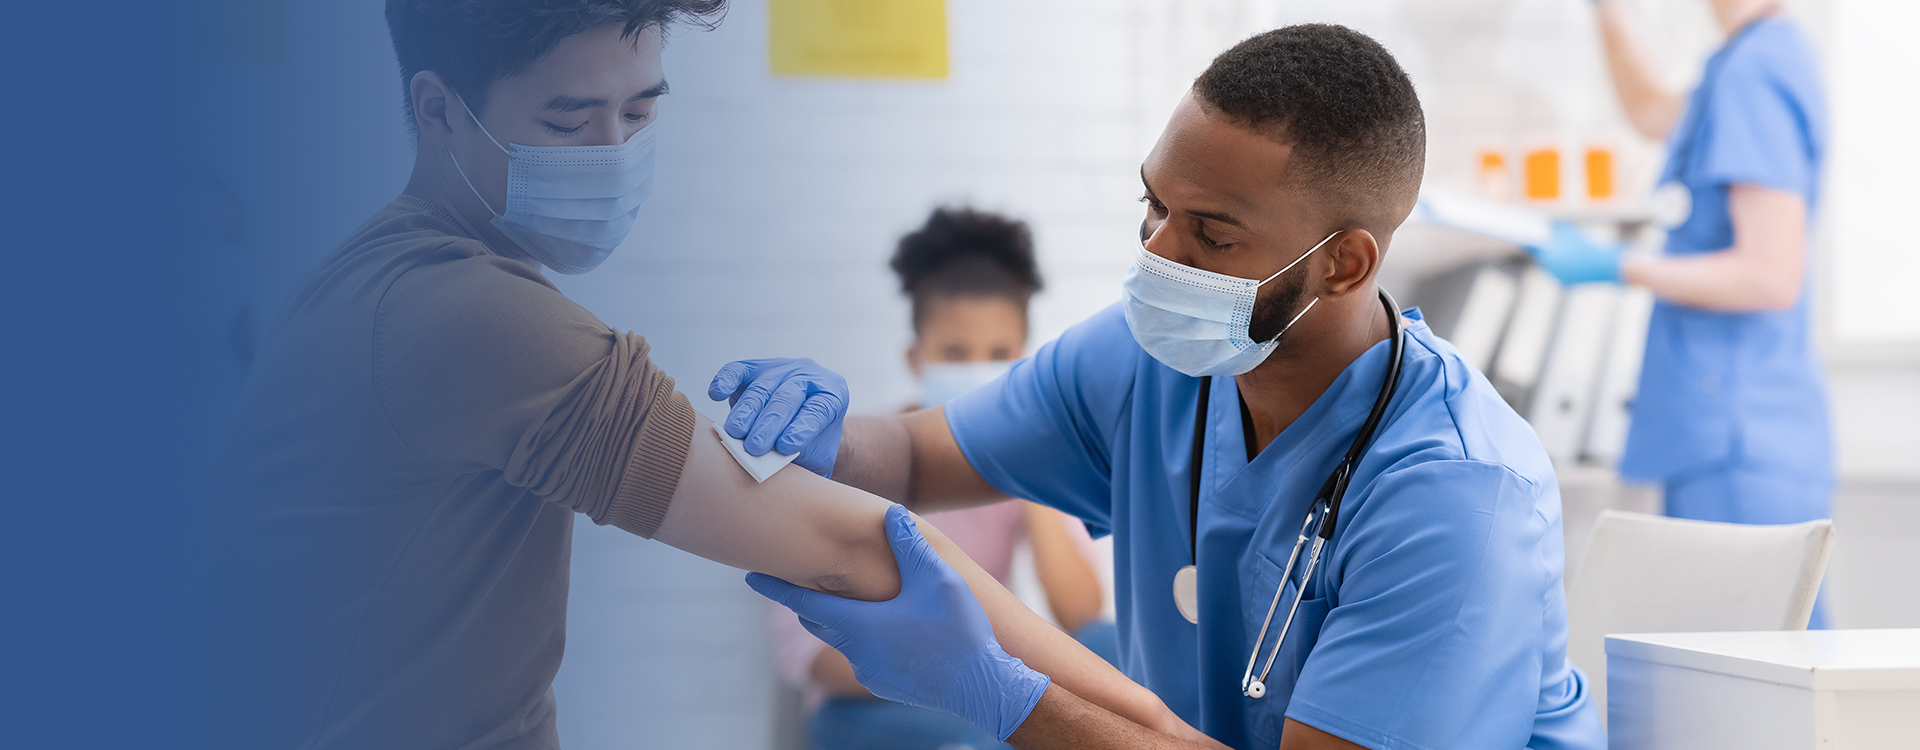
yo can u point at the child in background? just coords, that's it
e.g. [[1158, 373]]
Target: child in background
[[970, 275]]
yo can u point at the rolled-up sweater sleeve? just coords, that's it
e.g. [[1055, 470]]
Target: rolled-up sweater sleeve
[[482, 365]]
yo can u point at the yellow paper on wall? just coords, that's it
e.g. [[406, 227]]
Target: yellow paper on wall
[[859, 38]]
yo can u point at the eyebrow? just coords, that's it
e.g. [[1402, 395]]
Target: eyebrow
[[1218, 216], [565, 103]]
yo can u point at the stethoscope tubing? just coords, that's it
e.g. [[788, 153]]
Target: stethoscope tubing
[[1293, 558], [1325, 509]]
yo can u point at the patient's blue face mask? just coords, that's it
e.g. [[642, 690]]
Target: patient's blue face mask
[[570, 206], [1196, 321]]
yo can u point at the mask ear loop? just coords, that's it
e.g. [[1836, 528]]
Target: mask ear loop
[[1296, 261], [1310, 304], [503, 149], [1296, 319]]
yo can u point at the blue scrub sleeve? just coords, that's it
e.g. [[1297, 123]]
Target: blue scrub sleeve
[[1435, 640], [1045, 431], [1756, 131]]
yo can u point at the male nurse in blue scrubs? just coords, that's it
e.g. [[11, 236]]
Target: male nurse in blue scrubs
[[1731, 415], [1435, 618]]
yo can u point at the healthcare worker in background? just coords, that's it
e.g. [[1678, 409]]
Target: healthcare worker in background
[[1250, 320], [970, 275], [1731, 415]]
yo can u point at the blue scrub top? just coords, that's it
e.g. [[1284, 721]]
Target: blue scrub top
[[1720, 389], [1437, 618]]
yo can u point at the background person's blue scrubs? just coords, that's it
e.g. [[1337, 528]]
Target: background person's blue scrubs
[[1437, 619], [1731, 414]]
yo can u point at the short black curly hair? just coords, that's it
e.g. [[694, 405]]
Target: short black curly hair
[[472, 43], [1337, 97], [962, 252]]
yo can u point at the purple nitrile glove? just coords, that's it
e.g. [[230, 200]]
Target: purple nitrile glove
[[930, 647], [787, 405]]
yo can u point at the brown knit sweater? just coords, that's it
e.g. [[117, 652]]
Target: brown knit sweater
[[394, 501]]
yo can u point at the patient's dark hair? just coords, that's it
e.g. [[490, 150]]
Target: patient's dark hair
[[1337, 97], [472, 43], [965, 253]]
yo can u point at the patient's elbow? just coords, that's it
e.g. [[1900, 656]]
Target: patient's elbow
[[864, 569], [839, 584]]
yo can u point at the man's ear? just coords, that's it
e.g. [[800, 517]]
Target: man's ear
[[433, 100], [1353, 260], [913, 358]]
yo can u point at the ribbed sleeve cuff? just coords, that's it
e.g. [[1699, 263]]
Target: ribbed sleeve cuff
[[653, 467]]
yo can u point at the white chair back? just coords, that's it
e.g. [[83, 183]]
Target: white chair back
[[1651, 574]]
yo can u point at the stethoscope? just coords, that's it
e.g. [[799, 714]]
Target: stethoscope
[[1322, 516]]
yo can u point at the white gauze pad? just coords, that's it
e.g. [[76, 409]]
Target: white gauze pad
[[760, 467]]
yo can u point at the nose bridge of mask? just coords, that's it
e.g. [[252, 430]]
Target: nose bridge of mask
[[1171, 286], [580, 182], [558, 175], [1219, 282], [591, 173]]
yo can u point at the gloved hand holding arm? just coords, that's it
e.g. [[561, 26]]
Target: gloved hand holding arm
[[786, 405], [831, 537], [933, 646], [930, 647]]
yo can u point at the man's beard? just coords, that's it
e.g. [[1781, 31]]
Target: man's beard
[[1272, 312]]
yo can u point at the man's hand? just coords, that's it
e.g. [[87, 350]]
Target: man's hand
[[787, 405], [930, 647]]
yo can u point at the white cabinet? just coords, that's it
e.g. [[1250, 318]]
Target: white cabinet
[[1825, 689]]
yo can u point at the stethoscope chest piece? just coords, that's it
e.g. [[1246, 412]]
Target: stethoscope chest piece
[[1186, 593], [1256, 689]]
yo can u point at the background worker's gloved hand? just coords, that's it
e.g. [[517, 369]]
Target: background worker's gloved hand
[[930, 647], [787, 405], [1574, 259]]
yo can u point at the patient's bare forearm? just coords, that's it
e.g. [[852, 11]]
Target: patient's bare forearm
[[797, 526], [832, 538], [913, 460], [1065, 720], [876, 455], [1048, 650]]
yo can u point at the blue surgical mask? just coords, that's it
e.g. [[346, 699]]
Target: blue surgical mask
[[941, 382], [1196, 321], [570, 206]]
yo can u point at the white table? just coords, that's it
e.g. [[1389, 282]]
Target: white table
[[1826, 689]]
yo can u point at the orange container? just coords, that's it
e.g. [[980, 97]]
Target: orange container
[[1599, 173], [1495, 182], [1542, 174]]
